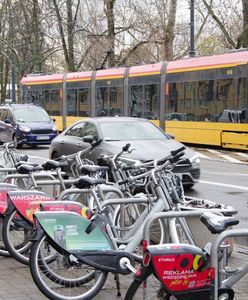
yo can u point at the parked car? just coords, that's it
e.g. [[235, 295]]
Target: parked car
[[148, 141], [26, 124]]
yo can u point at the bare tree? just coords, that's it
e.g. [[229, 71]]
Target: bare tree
[[64, 14], [243, 37]]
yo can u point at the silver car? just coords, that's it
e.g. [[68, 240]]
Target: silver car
[[147, 140]]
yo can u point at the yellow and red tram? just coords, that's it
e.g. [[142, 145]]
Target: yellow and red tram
[[200, 100]]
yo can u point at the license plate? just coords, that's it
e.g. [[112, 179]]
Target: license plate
[[43, 137]]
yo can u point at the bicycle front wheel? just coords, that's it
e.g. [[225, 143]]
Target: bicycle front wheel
[[16, 234], [63, 277]]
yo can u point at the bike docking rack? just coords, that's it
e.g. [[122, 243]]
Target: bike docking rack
[[233, 276], [41, 179]]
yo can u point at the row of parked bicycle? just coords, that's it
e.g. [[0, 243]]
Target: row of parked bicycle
[[116, 218]]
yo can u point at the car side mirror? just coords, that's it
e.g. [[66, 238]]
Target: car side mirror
[[88, 139], [7, 121]]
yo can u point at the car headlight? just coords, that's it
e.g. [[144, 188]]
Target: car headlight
[[24, 129], [129, 161], [195, 160]]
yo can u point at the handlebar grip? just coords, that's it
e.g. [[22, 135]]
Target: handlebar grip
[[126, 168], [175, 152], [123, 181], [126, 147], [95, 144]]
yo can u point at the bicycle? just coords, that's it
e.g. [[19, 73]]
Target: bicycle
[[186, 272], [82, 257]]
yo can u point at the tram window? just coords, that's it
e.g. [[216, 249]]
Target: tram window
[[242, 100], [84, 103], [205, 109], [72, 102], [101, 102], [151, 110], [189, 101], [47, 105], [41, 98], [225, 101], [175, 103], [55, 103], [115, 101], [135, 101]]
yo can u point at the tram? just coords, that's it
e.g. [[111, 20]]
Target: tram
[[199, 100]]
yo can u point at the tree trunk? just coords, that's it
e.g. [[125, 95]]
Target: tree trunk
[[243, 37], [169, 32], [222, 27], [37, 46], [109, 11], [70, 39]]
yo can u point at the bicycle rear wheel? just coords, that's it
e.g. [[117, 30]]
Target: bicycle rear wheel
[[148, 286], [63, 277]]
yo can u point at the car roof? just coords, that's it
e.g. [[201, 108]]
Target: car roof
[[114, 119], [19, 105]]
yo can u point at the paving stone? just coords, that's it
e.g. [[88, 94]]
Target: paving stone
[[16, 282]]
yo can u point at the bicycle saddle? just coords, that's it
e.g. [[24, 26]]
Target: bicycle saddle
[[87, 182], [23, 162], [26, 169], [92, 169], [216, 223], [53, 165]]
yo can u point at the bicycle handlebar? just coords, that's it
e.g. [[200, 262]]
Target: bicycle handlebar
[[172, 158]]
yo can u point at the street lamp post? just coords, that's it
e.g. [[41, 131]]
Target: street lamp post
[[13, 58]]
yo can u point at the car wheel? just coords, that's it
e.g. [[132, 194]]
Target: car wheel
[[188, 186], [55, 156]]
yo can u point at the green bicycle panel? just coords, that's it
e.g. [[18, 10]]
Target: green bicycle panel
[[67, 229]]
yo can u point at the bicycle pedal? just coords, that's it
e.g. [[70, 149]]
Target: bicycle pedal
[[73, 259]]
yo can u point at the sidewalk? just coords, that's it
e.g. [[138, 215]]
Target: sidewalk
[[16, 282]]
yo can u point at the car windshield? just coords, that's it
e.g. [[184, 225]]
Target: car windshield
[[31, 115], [122, 131]]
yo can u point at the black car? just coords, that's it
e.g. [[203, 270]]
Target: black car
[[148, 141]]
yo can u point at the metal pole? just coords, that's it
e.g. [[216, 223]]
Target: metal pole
[[192, 28], [13, 70]]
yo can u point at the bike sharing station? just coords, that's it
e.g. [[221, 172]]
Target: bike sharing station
[[154, 233]]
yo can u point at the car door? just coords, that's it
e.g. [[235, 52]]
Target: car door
[[91, 129], [71, 141]]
